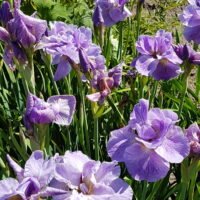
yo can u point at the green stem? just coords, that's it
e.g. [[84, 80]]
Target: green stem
[[101, 35], [43, 134], [138, 18], [96, 138], [16, 144], [83, 119], [69, 142], [153, 93], [116, 110], [194, 174], [107, 46], [29, 71], [144, 192], [49, 67], [119, 51], [184, 180], [81, 127], [198, 84], [185, 85]]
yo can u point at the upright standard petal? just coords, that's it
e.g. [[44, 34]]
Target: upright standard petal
[[36, 166], [5, 13]]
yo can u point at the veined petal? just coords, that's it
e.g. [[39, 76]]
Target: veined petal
[[140, 111], [122, 189], [39, 168], [62, 70], [64, 107], [146, 65], [175, 146], [94, 97], [120, 140], [19, 30], [145, 164], [107, 172], [4, 35], [36, 27], [97, 16], [166, 70], [192, 34], [146, 45], [8, 187]]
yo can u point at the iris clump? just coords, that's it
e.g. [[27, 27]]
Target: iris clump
[[72, 176], [58, 109], [109, 12], [83, 178], [158, 58], [147, 143], [190, 19]]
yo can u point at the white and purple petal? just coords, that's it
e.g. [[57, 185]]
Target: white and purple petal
[[145, 164], [63, 107], [175, 146]]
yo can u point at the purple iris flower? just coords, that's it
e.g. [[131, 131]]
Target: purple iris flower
[[190, 19], [71, 46], [149, 142], [19, 33], [104, 82], [158, 58], [25, 29], [32, 181], [58, 109], [185, 52], [193, 135], [109, 12], [84, 179]]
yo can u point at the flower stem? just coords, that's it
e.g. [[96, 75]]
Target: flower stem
[[195, 167], [184, 91], [138, 17], [29, 71], [48, 63], [198, 84], [114, 107], [119, 51], [83, 119], [96, 138], [153, 93]]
